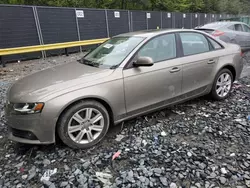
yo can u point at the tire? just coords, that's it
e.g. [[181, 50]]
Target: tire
[[68, 120], [214, 92]]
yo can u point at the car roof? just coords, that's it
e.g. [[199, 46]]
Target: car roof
[[216, 25], [153, 32]]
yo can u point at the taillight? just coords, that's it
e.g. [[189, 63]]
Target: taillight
[[241, 53], [217, 33]]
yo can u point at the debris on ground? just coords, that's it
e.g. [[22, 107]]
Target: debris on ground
[[46, 176]]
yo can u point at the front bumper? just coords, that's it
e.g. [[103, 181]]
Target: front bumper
[[24, 140], [30, 129]]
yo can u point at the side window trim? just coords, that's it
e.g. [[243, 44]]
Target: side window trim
[[213, 48], [246, 26], [130, 62]]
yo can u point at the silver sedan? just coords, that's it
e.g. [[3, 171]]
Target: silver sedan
[[230, 32]]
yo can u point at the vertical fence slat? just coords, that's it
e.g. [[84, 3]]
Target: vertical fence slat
[[107, 22], [78, 31], [38, 28]]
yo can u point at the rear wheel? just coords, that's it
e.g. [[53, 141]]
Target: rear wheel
[[222, 85], [84, 124]]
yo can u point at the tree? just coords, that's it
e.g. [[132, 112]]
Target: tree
[[206, 6]]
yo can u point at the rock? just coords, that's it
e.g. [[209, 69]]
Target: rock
[[77, 171], [52, 185], [32, 173], [86, 165], [157, 170], [130, 173], [142, 179], [212, 175], [48, 183], [64, 184], [24, 177], [164, 181], [232, 155], [173, 185], [130, 176], [19, 185], [46, 162], [119, 137], [189, 154], [198, 185], [163, 133], [19, 165], [247, 183], [223, 180], [202, 166], [223, 170], [66, 168]]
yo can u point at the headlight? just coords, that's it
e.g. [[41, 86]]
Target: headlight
[[28, 108]]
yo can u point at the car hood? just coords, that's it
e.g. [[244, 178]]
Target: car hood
[[44, 83]]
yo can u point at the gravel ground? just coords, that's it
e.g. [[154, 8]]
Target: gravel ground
[[200, 143]]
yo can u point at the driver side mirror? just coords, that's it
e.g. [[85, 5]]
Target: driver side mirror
[[143, 62]]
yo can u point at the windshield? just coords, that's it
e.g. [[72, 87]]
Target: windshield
[[111, 53]]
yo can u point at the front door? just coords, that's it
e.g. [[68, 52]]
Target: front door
[[147, 88]]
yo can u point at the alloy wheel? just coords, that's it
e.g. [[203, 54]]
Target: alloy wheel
[[85, 125], [223, 84]]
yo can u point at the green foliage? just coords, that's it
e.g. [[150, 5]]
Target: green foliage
[[206, 6]]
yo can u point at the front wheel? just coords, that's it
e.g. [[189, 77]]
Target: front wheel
[[222, 85], [84, 124]]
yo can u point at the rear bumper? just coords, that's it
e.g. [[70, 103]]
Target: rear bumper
[[245, 49]]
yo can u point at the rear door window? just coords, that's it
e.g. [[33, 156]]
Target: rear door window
[[246, 28], [215, 44], [238, 27], [231, 27], [194, 43]]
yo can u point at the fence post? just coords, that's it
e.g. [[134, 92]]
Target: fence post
[[38, 28], [147, 19], [107, 23], [131, 17], [78, 30], [129, 26], [199, 19], [191, 20], [161, 20], [173, 18], [183, 20], [2, 61]]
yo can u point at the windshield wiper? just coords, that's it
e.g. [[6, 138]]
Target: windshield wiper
[[113, 66], [88, 62]]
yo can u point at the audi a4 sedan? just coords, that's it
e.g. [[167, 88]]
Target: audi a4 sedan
[[126, 76]]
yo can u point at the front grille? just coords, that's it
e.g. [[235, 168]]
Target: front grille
[[23, 134]]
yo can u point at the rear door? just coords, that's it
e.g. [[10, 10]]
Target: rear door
[[241, 36], [247, 35], [200, 58]]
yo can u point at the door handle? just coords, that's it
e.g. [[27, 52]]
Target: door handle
[[175, 69], [211, 61]]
